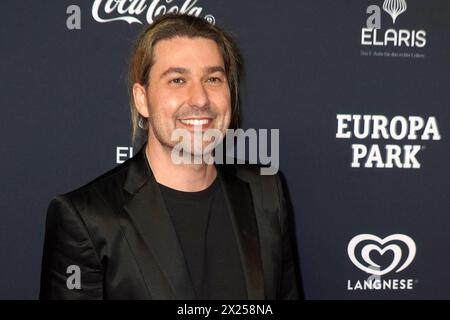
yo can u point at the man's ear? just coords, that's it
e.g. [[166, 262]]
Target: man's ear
[[140, 100]]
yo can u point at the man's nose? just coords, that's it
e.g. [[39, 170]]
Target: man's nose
[[198, 95]]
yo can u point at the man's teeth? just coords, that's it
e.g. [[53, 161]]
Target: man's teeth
[[195, 122]]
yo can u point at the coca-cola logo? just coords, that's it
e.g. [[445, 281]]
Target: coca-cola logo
[[137, 11]]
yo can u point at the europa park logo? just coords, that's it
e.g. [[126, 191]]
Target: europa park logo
[[363, 248]]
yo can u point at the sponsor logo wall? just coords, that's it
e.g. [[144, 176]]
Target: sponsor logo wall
[[357, 92]]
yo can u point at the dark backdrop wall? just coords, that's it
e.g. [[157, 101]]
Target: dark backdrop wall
[[317, 70]]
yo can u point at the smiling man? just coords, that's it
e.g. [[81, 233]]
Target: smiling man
[[154, 229]]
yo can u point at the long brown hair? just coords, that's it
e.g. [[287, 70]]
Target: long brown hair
[[179, 25]]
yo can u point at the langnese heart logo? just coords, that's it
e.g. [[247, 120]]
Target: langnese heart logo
[[365, 244]]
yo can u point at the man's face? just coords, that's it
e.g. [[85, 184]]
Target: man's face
[[187, 89]]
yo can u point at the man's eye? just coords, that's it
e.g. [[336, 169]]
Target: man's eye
[[214, 80], [177, 81]]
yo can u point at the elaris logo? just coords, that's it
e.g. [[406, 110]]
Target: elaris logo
[[364, 249], [374, 35]]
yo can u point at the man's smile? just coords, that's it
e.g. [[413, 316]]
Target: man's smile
[[198, 123]]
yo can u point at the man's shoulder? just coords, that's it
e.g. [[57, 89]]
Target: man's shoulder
[[105, 188]]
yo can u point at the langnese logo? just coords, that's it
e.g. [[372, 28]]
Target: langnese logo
[[374, 35], [139, 11], [395, 130], [378, 257]]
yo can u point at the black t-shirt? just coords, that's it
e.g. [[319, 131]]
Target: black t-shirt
[[204, 228]]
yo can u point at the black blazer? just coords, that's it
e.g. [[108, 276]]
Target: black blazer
[[118, 231]]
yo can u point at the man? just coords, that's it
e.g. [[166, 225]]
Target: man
[[155, 229]]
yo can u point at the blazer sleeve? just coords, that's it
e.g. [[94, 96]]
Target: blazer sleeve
[[71, 268], [288, 289]]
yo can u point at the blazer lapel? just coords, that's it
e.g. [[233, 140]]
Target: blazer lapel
[[150, 217], [240, 205]]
